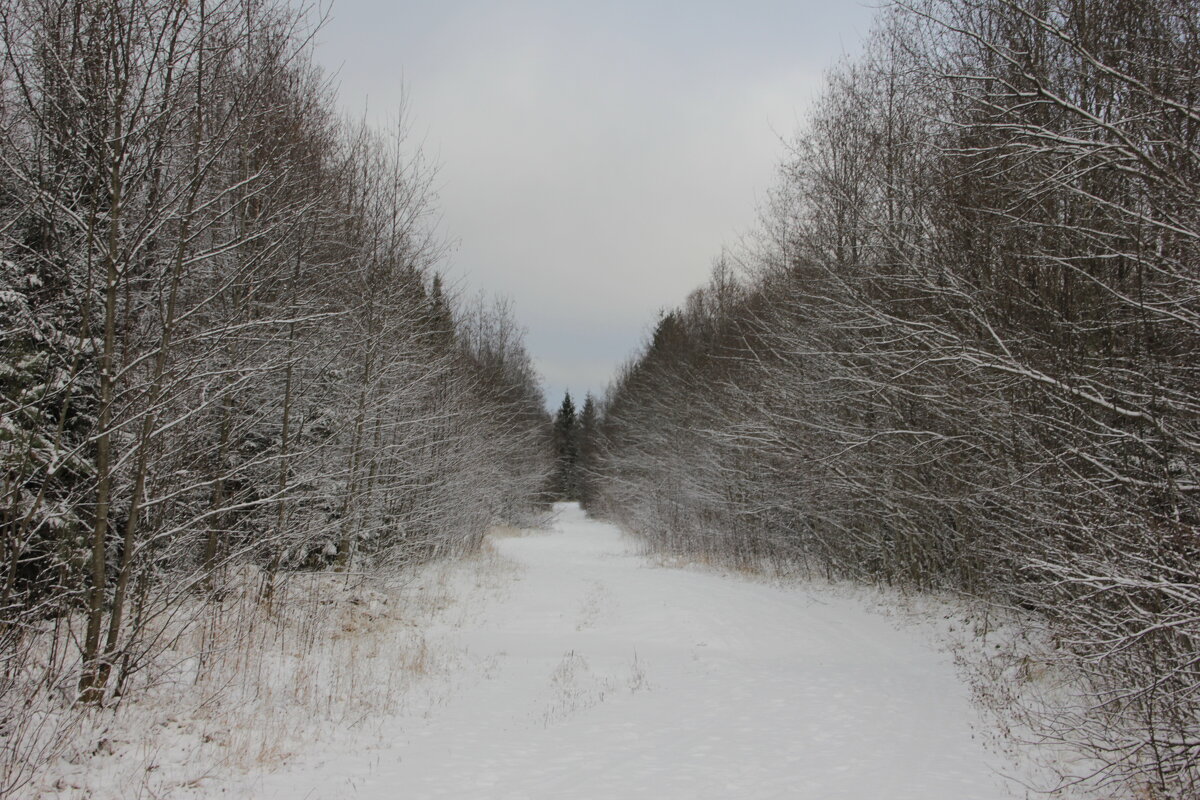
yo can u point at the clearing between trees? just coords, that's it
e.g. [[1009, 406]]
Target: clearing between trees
[[597, 672]]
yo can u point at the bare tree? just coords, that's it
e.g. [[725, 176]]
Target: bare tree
[[961, 356], [227, 344]]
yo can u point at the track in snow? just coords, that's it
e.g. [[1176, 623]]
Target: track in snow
[[609, 678]]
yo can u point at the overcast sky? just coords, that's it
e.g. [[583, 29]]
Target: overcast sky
[[594, 156]]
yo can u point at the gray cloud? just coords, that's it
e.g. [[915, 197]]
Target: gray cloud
[[594, 156]]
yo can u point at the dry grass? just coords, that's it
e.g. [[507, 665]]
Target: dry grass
[[508, 532], [247, 685]]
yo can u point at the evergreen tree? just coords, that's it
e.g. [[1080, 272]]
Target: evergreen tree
[[586, 426], [566, 449], [440, 318]]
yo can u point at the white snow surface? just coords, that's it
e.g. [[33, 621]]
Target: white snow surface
[[598, 674]]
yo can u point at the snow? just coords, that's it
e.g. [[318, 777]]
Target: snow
[[595, 673]]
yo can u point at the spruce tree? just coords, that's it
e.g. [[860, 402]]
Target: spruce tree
[[586, 426], [440, 318], [566, 448]]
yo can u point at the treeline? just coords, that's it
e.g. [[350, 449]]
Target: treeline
[[223, 341], [574, 436], [962, 354]]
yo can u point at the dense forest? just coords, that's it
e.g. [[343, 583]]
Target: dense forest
[[961, 354], [957, 355], [223, 341]]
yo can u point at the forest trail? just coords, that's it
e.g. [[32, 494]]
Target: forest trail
[[600, 675]]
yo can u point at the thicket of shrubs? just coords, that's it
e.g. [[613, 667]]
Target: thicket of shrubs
[[222, 340], [961, 353]]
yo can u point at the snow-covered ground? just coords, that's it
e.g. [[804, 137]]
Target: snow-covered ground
[[596, 674]]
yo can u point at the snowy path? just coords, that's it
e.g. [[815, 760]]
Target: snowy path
[[601, 676]]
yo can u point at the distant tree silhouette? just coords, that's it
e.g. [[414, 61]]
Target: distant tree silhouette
[[586, 426], [566, 450]]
